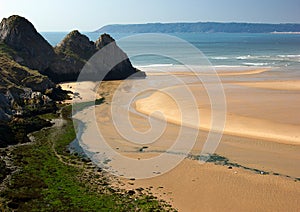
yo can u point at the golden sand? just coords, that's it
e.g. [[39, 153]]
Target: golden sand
[[251, 112], [261, 132]]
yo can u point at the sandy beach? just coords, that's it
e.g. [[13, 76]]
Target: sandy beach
[[261, 133], [194, 187], [81, 89], [250, 109]]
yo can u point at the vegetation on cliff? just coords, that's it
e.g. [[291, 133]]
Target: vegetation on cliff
[[14, 74]]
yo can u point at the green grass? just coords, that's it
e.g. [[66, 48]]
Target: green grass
[[14, 74], [82, 105], [45, 183], [49, 116], [6, 50]]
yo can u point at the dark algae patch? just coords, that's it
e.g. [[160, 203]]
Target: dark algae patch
[[48, 178], [221, 160]]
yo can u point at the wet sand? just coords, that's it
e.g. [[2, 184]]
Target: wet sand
[[208, 187], [255, 112], [292, 85], [261, 133]]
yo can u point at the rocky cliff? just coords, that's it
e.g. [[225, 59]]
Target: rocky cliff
[[71, 55], [63, 62], [123, 69], [76, 49], [27, 60], [15, 80], [31, 49], [77, 44], [30, 67]]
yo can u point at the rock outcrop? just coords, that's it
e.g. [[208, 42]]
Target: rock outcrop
[[66, 60], [123, 69], [72, 54], [29, 64], [12, 74], [103, 40], [78, 44], [76, 49], [31, 49], [17, 83]]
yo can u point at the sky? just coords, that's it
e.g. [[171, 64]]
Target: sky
[[89, 15]]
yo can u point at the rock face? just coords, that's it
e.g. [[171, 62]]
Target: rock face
[[28, 67], [72, 53], [4, 108], [76, 49], [123, 69], [32, 49], [12, 74], [28, 63], [78, 44], [66, 60], [103, 40]]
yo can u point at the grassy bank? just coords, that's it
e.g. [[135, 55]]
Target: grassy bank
[[50, 179]]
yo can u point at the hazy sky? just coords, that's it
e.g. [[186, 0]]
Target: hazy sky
[[89, 15]]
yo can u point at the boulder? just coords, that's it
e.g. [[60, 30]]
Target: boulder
[[38, 83]]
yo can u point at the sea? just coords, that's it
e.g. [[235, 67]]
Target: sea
[[220, 49]]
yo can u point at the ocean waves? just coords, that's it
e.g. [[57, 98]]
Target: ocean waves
[[257, 60], [243, 60], [220, 49], [262, 57]]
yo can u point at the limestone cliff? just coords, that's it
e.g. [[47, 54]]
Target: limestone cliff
[[124, 68], [71, 55], [28, 63], [63, 62], [76, 49], [77, 44], [31, 49]]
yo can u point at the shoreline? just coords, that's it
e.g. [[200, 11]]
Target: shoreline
[[252, 156], [250, 120], [163, 186]]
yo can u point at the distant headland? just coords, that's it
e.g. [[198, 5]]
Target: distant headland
[[201, 27]]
